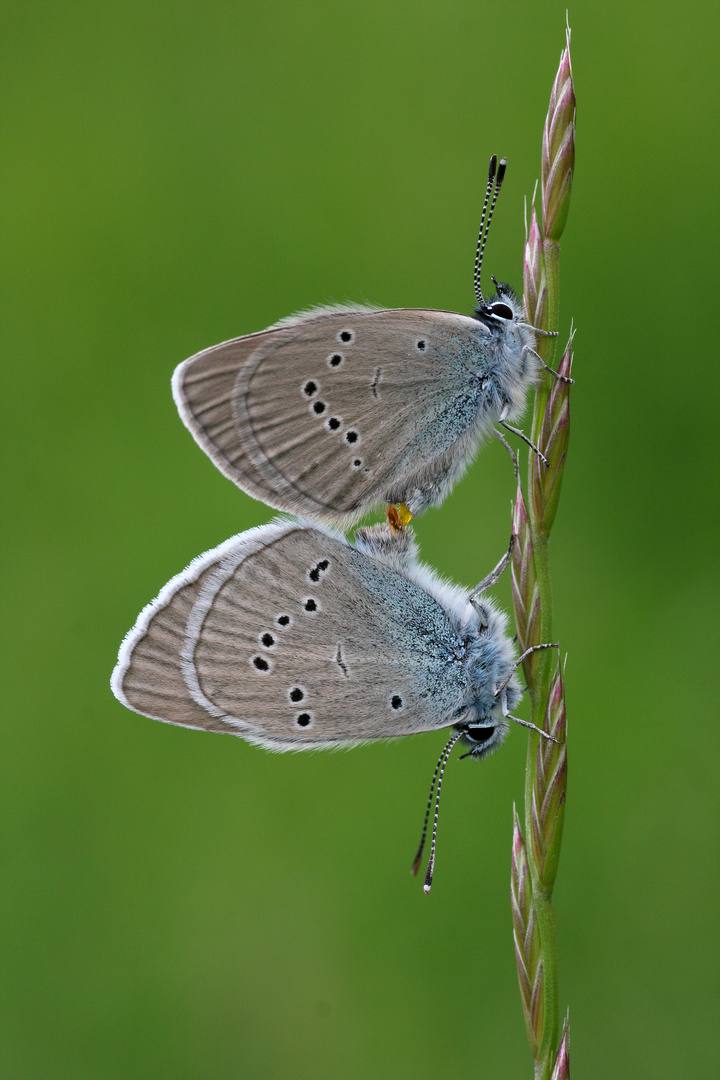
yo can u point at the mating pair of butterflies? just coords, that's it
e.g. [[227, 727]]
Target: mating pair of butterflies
[[289, 635]]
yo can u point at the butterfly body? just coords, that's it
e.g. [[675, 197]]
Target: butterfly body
[[293, 638], [332, 412]]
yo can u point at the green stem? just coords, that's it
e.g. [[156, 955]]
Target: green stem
[[547, 346], [535, 860], [539, 696], [542, 898], [545, 919], [551, 251]]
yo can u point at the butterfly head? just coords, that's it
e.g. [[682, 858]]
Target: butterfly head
[[501, 310], [482, 738], [490, 663]]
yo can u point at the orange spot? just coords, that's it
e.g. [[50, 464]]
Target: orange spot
[[405, 515], [398, 517]]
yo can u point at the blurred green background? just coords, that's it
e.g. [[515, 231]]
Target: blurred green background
[[179, 905]]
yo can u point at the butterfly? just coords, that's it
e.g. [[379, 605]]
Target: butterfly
[[294, 638], [329, 413]]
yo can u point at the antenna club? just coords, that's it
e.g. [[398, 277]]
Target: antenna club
[[426, 889], [501, 170], [493, 168]]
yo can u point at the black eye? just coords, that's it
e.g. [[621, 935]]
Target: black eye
[[351, 437], [346, 335], [421, 345], [296, 694], [335, 360], [268, 640], [261, 663], [502, 311], [319, 407], [310, 388], [396, 701], [283, 620], [303, 719], [333, 423], [480, 734], [310, 604]]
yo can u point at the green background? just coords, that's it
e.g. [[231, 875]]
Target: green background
[[178, 905]]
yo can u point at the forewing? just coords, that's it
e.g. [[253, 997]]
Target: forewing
[[329, 413]]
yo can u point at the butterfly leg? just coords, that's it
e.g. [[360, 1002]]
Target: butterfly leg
[[541, 362], [533, 648], [398, 516], [494, 576], [499, 435], [521, 435], [524, 723]]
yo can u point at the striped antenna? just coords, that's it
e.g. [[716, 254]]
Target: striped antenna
[[439, 768], [496, 175]]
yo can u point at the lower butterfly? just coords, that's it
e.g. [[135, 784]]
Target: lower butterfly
[[293, 638], [334, 411]]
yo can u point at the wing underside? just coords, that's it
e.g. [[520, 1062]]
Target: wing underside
[[290, 637], [332, 414]]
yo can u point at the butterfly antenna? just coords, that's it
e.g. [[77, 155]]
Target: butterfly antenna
[[496, 175], [478, 256], [443, 762], [416, 862]]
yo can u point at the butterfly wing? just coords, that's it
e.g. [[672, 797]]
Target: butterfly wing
[[292, 638], [338, 410], [148, 676]]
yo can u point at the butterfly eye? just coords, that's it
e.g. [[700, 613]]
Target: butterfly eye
[[480, 734], [502, 311]]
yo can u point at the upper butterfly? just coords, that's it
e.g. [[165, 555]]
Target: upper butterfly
[[337, 410]]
